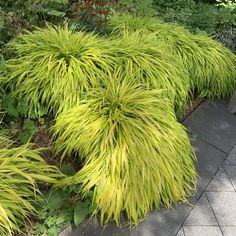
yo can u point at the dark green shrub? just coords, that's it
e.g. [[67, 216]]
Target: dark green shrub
[[141, 7], [218, 21]]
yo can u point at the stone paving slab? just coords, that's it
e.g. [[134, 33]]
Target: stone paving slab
[[220, 182], [217, 206], [229, 231], [231, 158], [164, 223], [214, 124], [180, 233], [202, 231], [209, 160], [224, 207], [231, 173], [201, 214]]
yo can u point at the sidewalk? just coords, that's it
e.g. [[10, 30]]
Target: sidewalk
[[212, 210]]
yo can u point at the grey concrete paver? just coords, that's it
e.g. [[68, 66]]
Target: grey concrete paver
[[180, 233], [214, 124], [201, 214], [206, 167], [231, 158], [224, 207], [220, 183], [202, 231], [229, 231], [231, 173]]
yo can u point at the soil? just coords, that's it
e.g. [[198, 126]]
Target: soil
[[43, 139]]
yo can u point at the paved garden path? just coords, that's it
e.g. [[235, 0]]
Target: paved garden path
[[212, 209]]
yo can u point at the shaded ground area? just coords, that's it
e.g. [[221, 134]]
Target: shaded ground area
[[212, 210]]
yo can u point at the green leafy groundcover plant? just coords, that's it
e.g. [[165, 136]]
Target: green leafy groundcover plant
[[135, 153], [150, 61], [53, 66], [211, 66], [20, 171]]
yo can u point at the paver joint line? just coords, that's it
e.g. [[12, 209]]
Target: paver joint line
[[214, 214]]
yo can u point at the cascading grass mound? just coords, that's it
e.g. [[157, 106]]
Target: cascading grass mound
[[4, 139], [211, 66], [150, 61], [219, 68], [54, 65], [20, 170], [136, 155]]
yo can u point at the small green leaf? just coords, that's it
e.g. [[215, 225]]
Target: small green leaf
[[24, 136], [80, 213], [56, 13], [67, 169], [51, 220], [56, 200], [30, 125], [53, 231]]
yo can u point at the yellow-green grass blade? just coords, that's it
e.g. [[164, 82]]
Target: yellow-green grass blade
[[20, 170], [135, 153], [211, 66], [153, 65], [55, 65]]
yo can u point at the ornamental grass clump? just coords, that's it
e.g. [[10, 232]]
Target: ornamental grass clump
[[150, 61], [55, 65], [219, 68], [20, 171], [136, 155], [211, 66]]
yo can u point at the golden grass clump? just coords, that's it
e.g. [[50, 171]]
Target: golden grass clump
[[211, 66], [53, 66], [136, 155], [20, 171], [153, 65]]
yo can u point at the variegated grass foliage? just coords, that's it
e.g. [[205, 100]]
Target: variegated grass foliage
[[114, 101], [153, 65], [54, 65], [136, 155], [20, 171], [5, 140], [211, 66]]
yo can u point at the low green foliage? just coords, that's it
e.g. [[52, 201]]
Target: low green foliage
[[218, 20], [20, 171], [18, 116], [135, 153], [141, 7], [211, 66], [54, 66], [60, 208]]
